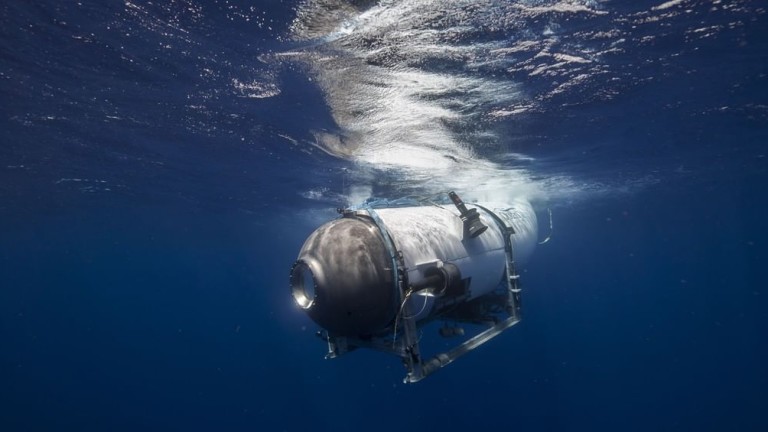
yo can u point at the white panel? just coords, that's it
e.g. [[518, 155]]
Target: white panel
[[428, 234]]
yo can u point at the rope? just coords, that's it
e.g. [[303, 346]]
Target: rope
[[550, 228]]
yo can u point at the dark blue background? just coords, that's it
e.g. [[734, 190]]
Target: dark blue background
[[162, 303], [642, 313]]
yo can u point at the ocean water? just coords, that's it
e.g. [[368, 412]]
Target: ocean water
[[161, 164]]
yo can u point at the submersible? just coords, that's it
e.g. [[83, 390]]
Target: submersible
[[377, 275]]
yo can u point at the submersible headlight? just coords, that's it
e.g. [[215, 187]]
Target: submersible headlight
[[377, 276]]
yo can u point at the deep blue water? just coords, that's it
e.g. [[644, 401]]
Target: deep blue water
[[162, 163]]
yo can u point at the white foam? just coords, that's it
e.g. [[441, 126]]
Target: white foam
[[399, 112]]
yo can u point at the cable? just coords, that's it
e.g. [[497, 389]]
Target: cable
[[550, 228], [399, 313], [424, 306]]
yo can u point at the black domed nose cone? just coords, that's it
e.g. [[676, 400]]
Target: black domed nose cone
[[343, 278]]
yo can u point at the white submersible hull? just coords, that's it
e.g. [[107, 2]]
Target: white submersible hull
[[375, 275]]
